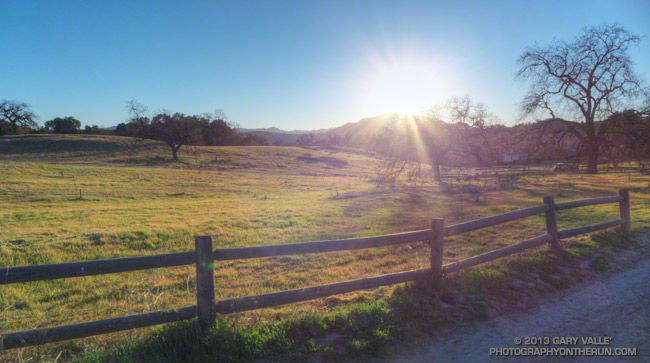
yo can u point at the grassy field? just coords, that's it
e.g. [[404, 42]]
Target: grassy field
[[135, 202]]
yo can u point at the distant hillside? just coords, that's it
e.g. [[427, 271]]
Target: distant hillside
[[269, 129], [274, 138], [359, 131], [363, 129], [276, 130]]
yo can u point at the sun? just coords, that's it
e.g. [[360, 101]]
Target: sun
[[404, 89]]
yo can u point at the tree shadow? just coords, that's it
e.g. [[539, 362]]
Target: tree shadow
[[38, 144], [329, 160]]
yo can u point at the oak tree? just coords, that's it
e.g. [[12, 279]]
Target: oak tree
[[580, 82], [17, 114]]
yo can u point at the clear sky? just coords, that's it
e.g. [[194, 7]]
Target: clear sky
[[294, 65]]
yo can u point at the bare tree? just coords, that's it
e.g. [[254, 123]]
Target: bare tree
[[474, 134], [17, 114], [548, 140], [347, 138], [413, 140], [305, 139], [333, 140], [527, 143], [392, 143], [436, 139], [138, 118], [590, 77]]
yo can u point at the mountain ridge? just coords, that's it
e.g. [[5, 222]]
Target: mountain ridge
[[362, 129], [277, 130]]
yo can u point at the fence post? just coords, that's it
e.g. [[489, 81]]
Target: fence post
[[437, 240], [205, 281], [551, 222], [624, 207]]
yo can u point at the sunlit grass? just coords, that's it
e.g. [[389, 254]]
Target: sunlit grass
[[141, 204]]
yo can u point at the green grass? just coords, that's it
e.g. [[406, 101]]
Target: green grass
[[296, 338], [363, 329], [136, 202]]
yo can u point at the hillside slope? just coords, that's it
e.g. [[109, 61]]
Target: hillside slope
[[359, 131], [280, 131], [125, 151], [364, 128]]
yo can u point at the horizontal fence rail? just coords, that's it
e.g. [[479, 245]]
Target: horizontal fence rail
[[203, 257], [311, 293], [591, 228], [81, 330], [493, 255], [10, 275], [586, 202], [224, 254], [494, 220]]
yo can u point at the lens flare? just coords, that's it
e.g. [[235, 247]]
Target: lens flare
[[403, 89]]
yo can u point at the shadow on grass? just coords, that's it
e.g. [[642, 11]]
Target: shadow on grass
[[143, 160], [329, 160], [38, 144], [368, 328]]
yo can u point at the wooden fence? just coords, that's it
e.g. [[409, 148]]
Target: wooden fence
[[499, 175], [204, 256]]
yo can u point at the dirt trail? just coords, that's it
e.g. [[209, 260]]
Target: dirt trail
[[617, 306]]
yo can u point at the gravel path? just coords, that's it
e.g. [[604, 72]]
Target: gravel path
[[618, 306]]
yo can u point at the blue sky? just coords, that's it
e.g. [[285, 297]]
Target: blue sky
[[294, 65]]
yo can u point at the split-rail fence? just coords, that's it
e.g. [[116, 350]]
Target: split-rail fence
[[204, 256]]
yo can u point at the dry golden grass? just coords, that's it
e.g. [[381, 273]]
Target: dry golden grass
[[136, 202]]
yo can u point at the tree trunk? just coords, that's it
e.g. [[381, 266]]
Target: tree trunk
[[592, 147], [592, 159], [174, 153], [436, 172]]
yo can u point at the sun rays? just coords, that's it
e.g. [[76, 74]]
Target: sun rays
[[405, 88]]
